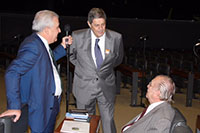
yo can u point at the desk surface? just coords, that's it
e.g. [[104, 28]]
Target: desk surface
[[94, 124]]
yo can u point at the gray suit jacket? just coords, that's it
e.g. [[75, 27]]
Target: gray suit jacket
[[157, 120], [85, 70]]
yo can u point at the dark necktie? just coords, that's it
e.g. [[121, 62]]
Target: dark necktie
[[98, 55], [52, 56], [144, 111], [142, 114], [55, 64]]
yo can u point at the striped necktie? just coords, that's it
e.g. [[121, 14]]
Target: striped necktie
[[129, 125], [98, 55]]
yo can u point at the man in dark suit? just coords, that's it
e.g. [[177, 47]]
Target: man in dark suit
[[96, 51], [32, 78], [159, 114]]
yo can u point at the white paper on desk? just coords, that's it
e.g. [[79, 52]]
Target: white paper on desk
[[75, 127]]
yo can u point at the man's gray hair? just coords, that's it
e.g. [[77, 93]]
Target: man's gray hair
[[167, 88], [43, 19], [96, 13]]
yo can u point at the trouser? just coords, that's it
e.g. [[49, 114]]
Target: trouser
[[106, 111], [51, 124]]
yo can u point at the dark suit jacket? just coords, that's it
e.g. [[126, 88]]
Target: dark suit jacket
[[85, 69], [157, 120], [29, 80]]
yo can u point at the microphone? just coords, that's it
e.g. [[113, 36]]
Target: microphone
[[67, 29], [144, 37]]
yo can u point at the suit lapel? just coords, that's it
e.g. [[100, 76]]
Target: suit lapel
[[87, 45], [109, 44], [43, 47], [109, 47]]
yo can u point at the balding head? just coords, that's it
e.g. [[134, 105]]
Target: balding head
[[161, 88]]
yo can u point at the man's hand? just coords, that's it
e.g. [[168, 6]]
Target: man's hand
[[66, 40], [17, 114]]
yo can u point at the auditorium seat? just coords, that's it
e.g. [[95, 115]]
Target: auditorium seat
[[164, 69], [162, 60], [151, 69], [179, 123], [6, 124], [1, 127], [198, 124]]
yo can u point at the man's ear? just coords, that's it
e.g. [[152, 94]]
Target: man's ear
[[158, 93], [46, 30], [89, 24]]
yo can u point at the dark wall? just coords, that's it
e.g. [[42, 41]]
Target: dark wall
[[14, 28], [161, 33]]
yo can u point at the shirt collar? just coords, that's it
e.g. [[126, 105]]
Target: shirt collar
[[44, 41], [153, 105]]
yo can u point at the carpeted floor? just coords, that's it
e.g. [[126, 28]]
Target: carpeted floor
[[123, 111]]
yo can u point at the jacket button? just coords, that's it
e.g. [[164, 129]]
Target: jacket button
[[97, 79], [53, 94], [51, 108]]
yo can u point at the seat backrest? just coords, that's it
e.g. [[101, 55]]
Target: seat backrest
[[7, 124], [141, 64], [151, 69], [179, 124], [164, 69], [176, 63], [198, 124], [187, 66], [162, 60], [1, 127]]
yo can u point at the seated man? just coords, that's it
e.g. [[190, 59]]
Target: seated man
[[159, 115]]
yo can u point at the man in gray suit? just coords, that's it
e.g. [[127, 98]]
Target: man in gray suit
[[159, 114], [96, 51]]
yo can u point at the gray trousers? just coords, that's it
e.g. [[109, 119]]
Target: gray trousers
[[106, 110]]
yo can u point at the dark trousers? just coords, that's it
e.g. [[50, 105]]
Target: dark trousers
[[51, 125]]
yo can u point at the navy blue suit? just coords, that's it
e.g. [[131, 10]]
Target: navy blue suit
[[30, 80]]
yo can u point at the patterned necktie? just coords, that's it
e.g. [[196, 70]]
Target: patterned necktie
[[98, 55], [144, 111], [52, 56], [142, 114]]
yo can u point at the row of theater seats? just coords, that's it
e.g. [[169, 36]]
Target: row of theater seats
[[152, 62], [155, 62]]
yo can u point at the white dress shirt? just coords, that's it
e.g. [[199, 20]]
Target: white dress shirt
[[101, 45], [58, 89]]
